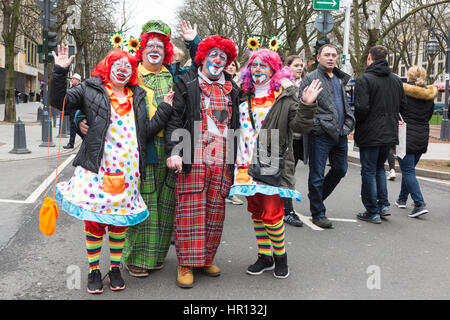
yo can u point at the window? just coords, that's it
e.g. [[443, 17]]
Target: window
[[403, 72], [30, 52]]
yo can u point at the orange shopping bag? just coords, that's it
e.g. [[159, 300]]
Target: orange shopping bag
[[47, 216]]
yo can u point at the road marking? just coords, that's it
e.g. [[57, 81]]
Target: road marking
[[308, 221], [36, 193]]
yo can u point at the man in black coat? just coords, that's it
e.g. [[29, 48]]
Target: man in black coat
[[379, 95]]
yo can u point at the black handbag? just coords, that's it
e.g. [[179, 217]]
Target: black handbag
[[268, 169]]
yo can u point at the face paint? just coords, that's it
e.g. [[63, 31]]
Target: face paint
[[121, 71], [215, 62], [154, 51], [260, 71]]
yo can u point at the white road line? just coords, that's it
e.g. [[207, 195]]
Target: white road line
[[36, 193], [307, 221]]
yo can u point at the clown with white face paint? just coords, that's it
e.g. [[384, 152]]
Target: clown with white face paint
[[154, 51], [121, 71], [206, 105], [214, 63], [104, 189]]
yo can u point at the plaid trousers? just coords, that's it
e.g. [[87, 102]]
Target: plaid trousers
[[147, 243], [200, 207]]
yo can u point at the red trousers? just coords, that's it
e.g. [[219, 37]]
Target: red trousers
[[98, 229], [269, 209]]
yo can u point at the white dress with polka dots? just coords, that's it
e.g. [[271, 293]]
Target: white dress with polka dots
[[84, 197]]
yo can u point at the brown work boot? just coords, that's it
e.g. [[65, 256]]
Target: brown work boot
[[212, 270], [185, 277], [137, 272]]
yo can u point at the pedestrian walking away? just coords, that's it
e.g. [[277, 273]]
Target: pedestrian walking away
[[97, 192], [334, 121], [270, 103], [379, 97], [205, 106], [417, 114]]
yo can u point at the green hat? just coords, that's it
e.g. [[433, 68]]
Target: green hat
[[156, 26]]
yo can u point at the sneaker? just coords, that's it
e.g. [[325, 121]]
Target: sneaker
[[418, 211], [292, 219], [95, 283], [373, 218], [385, 211], [116, 282], [234, 200], [137, 272], [392, 175], [322, 222], [185, 277], [264, 263], [401, 204], [281, 270]]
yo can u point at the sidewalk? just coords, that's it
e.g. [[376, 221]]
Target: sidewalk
[[27, 113]]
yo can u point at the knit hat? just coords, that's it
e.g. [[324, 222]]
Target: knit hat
[[157, 26], [76, 76]]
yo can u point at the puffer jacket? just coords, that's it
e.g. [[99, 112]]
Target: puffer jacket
[[326, 119], [93, 100], [379, 97], [417, 114]]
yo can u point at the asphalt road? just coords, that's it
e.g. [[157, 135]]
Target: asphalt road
[[402, 258]]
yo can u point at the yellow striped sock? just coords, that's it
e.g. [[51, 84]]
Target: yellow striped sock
[[262, 239], [276, 235]]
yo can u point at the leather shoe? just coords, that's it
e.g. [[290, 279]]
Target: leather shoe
[[68, 146], [185, 277], [212, 270]]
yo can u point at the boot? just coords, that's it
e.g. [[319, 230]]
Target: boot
[[281, 267]]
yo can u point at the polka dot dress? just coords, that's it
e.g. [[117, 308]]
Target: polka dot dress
[[119, 172]]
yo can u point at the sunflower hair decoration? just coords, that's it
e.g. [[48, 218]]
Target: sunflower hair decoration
[[253, 43], [275, 43], [117, 40], [133, 44]]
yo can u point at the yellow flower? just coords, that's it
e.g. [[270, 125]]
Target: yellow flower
[[253, 43], [274, 43], [133, 44], [116, 40]]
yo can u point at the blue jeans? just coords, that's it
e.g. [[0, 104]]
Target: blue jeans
[[410, 185], [374, 193], [321, 148]]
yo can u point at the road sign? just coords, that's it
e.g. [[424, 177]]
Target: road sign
[[326, 5], [324, 22]]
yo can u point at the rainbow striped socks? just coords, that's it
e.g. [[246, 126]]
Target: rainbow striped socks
[[116, 243], [270, 235], [94, 247]]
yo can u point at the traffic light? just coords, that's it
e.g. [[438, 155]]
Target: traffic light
[[52, 43], [49, 38]]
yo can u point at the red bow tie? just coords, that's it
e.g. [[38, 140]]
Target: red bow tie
[[216, 89]]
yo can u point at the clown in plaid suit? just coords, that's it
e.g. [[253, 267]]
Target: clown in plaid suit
[[206, 110]]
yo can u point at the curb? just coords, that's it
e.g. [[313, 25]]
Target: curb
[[419, 172]]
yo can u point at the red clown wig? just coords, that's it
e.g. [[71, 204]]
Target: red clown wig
[[103, 69], [216, 41], [168, 46]]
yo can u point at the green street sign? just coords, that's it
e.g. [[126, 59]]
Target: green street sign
[[326, 5]]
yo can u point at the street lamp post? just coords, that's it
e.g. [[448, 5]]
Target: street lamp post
[[432, 47]]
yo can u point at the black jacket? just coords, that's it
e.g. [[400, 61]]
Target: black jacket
[[326, 119], [93, 100], [379, 97], [187, 110], [417, 114]]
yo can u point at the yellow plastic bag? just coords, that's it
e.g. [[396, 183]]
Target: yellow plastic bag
[[47, 216]]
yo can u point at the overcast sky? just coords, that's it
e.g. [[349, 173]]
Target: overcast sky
[[145, 10]]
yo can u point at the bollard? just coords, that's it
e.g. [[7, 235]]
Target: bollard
[[62, 130], [20, 141], [39, 114], [47, 140]]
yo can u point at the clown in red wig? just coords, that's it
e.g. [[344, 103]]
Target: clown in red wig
[[103, 191], [205, 112]]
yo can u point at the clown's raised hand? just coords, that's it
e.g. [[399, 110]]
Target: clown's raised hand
[[187, 32], [62, 58]]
